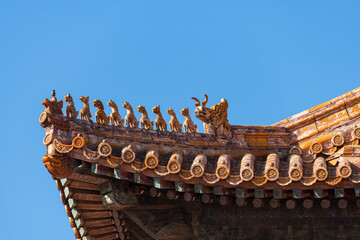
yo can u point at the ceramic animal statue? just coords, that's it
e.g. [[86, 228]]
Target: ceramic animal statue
[[100, 115], [115, 117], [85, 113], [160, 123], [144, 120], [70, 108], [214, 118], [189, 126], [130, 118], [175, 126], [53, 106]]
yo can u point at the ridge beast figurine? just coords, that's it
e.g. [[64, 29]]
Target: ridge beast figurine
[[130, 118], [70, 108], [214, 118], [175, 126], [115, 117], [85, 113], [144, 120], [160, 123], [189, 126], [100, 115]]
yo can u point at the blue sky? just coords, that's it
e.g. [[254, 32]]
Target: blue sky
[[269, 59]]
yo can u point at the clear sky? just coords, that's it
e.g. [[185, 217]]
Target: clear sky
[[269, 59]]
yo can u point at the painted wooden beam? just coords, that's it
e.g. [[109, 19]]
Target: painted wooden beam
[[223, 200], [278, 193], [274, 203], [162, 184], [104, 230], [258, 202], [106, 188], [357, 191], [81, 195], [102, 170], [142, 179], [65, 182], [219, 190], [154, 192], [123, 175], [183, 187], [207, 198], [172, 195], [109, 200], [243, 193], [63, 198], [290, 204], [75, 213], [260, 193], [198, 188], [79, 185], [95, 214], [342, 203], [339, 192], [189, 197], [297, 193], [241, 202], [325, 203], [93, 223], [319, 193], [308, 203]]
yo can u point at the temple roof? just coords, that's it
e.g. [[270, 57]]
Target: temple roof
[[315, 149]]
